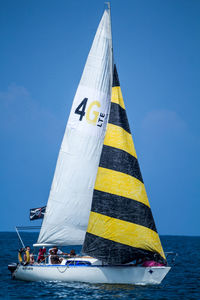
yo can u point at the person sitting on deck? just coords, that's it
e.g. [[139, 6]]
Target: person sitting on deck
[[72, 253], [155, 261], [28, 257], [41, 255], [53, 257], [54, 254]]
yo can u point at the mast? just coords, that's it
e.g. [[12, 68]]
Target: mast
[[111, 45]]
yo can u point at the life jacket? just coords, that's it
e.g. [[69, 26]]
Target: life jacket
[[27, 253], [20, 257]]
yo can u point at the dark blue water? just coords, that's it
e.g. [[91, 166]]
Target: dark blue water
[[182, 282]]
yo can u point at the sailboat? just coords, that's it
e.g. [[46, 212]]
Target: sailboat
[[98, 198]]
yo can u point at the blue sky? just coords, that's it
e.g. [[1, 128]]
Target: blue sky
[[43, 49]]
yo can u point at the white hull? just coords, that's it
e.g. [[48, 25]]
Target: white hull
[[92, 274]]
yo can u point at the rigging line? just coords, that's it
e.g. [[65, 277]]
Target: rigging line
[[108, 3], [19, 237], [64, 269], [27, 227]]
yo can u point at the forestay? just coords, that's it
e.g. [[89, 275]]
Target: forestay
[[69, 202]]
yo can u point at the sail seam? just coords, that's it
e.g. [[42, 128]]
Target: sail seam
[[118, 117], [113, 250], [136, 235], [121, 184], [123, 209], [129, 165], [119, 138], [117, 96]]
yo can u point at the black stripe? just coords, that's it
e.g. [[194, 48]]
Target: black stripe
[[115, 253], [121, 161], [122, 208], [118, 117], [115, 77]]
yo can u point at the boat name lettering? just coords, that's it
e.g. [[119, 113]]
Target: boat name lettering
[[27, 268]]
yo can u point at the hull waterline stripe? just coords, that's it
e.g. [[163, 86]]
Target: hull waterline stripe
[[120, 184], [117, 137], [136, 236], [118, 117], [121, 161], [114, 252], [123, 209]]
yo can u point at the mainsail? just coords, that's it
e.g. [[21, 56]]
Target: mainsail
[[69, 203], [121, 227]]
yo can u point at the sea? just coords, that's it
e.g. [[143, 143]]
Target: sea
[[182, 282]]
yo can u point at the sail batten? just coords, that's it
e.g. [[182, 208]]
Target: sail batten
[[121, 227]]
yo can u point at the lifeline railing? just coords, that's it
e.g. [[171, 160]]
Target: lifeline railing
[[71, 259]]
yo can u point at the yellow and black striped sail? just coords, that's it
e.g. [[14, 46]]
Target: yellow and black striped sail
[[121, 227]]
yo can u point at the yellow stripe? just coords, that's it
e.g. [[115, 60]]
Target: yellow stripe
[[120, 184], [117, 96], [124, 232], [119, 138], [20, 257]]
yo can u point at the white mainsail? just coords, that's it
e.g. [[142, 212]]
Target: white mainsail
[[67, 213]]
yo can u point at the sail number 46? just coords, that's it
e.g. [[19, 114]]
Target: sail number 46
[[92, 116]]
